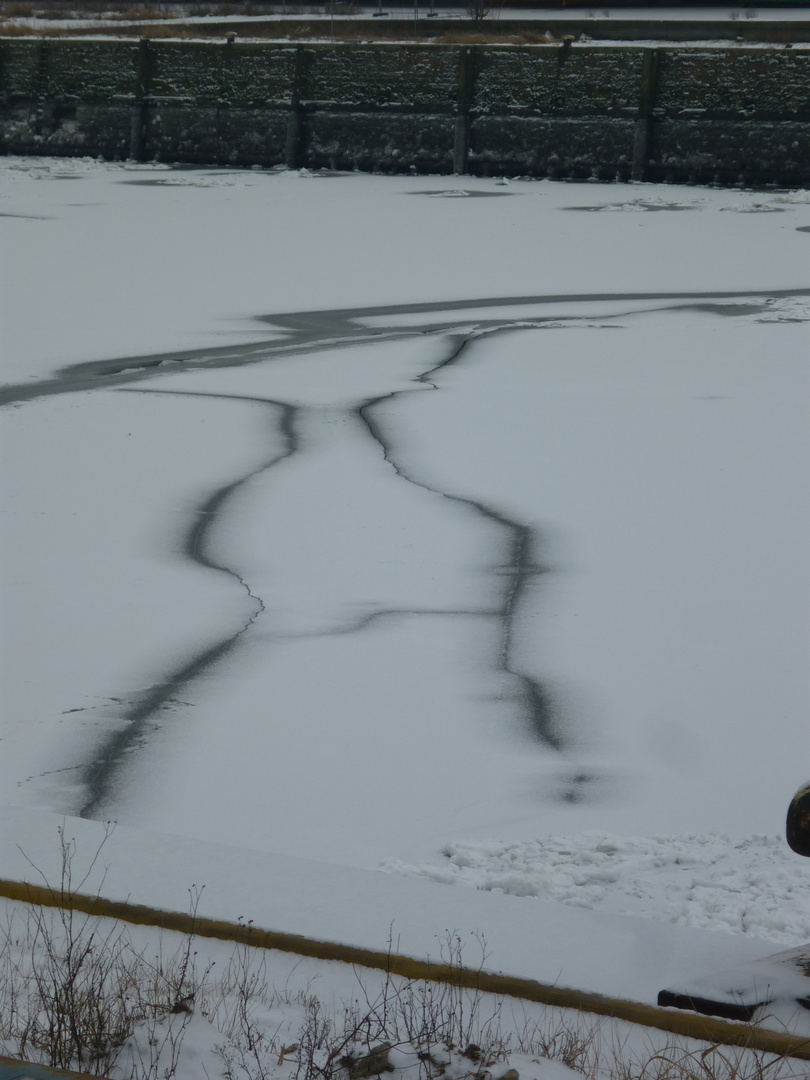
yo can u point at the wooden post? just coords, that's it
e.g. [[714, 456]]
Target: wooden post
[[642, 143], [461, 147], [137, 136], [295, 127], [41, 84]]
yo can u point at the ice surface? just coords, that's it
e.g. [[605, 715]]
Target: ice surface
[[373, 524], [755, 886]]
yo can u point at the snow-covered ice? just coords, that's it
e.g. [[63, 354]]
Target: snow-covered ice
[[464, 536], [753, 886]]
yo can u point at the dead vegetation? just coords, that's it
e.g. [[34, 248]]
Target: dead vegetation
[[74, 989], [142, 14], [165, 30], [299, 32], [76, 993], [16, 9], [158, 20]]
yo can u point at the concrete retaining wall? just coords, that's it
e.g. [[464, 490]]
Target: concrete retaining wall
[[685, 114]]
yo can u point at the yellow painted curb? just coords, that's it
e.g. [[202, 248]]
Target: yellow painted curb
[[690, 1025]]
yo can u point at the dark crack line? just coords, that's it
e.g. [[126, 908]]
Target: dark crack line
[[363, 621], [308, 332], [53, 772], [338, 321], [519, 565], [99, 776], [312, 331]]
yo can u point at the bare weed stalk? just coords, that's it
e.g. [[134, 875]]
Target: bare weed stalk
[[75, 989], [75, 993], [429, 1022], [680, 1062], [250, 1048]]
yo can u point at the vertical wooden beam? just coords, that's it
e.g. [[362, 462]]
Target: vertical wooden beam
[[42, 80], [295, 122], [642, 143], [137, 135], [461, 144]]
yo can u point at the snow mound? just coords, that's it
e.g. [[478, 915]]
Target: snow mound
[[756, 887]]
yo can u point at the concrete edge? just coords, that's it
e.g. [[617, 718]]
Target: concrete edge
[[690, 1025]]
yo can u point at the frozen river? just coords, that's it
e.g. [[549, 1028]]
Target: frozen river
[[352, 518]]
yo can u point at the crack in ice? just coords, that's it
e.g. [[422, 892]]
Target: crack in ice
[[308, 332], [519, 565], [100, 774]]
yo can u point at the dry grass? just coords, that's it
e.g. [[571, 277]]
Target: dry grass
[[16, 10], [600, 1049], [73, 989], [246, 10], [75, 993], [163, 31], [479, 37], [380, 34], [143, 14], [680, 1062], [84, 992], [153, 22], [156, 30]]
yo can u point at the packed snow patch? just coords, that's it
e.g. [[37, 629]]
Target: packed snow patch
[[756, 886]]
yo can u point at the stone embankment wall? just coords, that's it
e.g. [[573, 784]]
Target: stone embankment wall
[[673, 113]]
